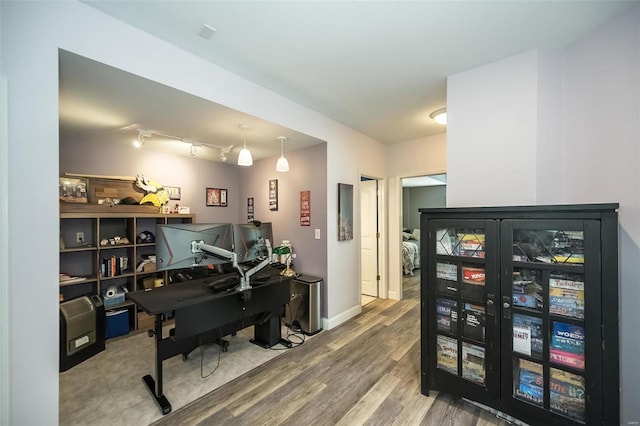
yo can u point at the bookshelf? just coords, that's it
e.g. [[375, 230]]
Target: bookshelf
[[100, 252]]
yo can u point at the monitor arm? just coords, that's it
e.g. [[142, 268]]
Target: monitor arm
[[246, 275], [229, 256]]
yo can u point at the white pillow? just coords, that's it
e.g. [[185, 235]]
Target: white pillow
[[416, 234], [406, 236]]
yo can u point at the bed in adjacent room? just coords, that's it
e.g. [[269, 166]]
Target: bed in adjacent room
[[410, 251]]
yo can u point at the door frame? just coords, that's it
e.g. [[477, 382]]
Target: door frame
[[382, 241], [396, 219]]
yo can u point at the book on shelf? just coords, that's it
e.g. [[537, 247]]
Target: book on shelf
[[473, 368], [528, 381], [447, 278], [567, 345], [114, 266], [447, 314], [474, 321], [566, 296], [70, 279], [473, 282], [526, 291], [447, 354], [567, 393], [470, 244], [527, 335]]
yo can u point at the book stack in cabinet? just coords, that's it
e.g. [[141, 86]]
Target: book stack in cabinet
[[109, 254]]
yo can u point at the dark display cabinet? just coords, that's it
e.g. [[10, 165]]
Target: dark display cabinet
[[519, 310]]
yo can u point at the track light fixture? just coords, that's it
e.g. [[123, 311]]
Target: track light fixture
[[283, 164], [194, 147], [142, 133], [194, 150], [245, 158]]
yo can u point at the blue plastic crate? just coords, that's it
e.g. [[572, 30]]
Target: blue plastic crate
[[117, 323]]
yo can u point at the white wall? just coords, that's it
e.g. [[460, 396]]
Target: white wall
[[31, 35], [602, 162], [419, 157], [591, 150], [492, 133]]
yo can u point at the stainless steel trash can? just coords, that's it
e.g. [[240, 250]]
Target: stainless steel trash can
[[305, 307]]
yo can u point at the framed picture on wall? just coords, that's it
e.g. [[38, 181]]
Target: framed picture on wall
[[345, 212], [250, 209], [73, 190], [216, 197], [305, 208], [273, 194], [174, 192]]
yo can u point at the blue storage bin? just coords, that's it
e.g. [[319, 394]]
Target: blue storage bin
[[117, 323]]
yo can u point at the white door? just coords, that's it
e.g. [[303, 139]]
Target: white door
[[369, 237]]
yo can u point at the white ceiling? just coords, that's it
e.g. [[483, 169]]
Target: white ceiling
[[379, 67]]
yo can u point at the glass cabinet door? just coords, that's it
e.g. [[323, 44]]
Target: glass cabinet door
[[462, 257], [546, 307]]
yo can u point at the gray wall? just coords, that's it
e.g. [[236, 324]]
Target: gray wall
[[414, 198], [307, 172], [192, 175]]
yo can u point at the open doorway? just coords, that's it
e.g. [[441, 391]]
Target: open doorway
[[369, 239], [418, 192]]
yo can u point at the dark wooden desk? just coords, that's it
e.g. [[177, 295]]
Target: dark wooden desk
[[203, 317]]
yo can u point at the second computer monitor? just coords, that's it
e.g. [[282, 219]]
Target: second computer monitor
[[176, 244], [249, 240]]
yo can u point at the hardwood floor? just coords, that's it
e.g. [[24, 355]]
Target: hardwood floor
[[364, 372]]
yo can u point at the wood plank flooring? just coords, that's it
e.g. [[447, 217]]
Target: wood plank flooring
[[364, 372]]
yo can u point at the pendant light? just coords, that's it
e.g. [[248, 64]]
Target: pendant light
[[282, 165], [245, 158]]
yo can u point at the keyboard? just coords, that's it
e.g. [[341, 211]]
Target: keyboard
[[222, 284]]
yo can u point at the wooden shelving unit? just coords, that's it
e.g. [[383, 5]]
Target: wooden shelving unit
[[83, 254]]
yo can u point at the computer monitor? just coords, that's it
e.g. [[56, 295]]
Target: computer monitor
[[250, 241], [178, 245]]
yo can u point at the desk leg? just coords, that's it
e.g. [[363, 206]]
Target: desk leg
[[152, 386]]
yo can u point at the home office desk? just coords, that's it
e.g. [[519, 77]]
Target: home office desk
[[201, 317]]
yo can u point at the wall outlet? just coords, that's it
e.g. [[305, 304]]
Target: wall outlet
[[317, 234], [80, 237]]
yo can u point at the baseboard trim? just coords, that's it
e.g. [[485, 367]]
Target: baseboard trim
[[342, 317]]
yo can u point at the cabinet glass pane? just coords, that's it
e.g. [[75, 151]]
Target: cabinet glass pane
[[567, 345], [526, 288], [566, 295], [527, 335], [548, 246], [447, 312], [447, 278], [447, 354], [473, 283], [460, 242], [528, 382], [473, 363], [567, 394]]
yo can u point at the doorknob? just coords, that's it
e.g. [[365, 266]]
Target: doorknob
[[506, 307]]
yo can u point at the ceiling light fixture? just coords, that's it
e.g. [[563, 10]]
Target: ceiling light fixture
[[194, 150], [245, 158], [439, 116], [139, 142], [194, 147], [283, 164]]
